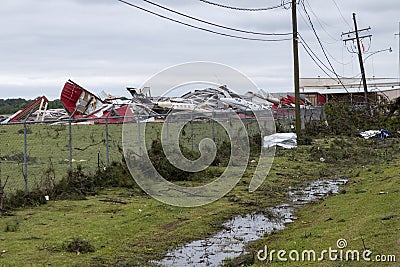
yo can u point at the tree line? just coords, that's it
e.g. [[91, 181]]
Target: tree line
[[12, 105]]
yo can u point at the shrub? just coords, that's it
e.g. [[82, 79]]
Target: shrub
[[79, 245]]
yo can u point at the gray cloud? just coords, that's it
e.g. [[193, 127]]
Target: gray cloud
[[106, 45]]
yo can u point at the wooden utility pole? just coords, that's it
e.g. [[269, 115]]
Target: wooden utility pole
[[361, 60], [398, 34], [296, 68], [355, 36]]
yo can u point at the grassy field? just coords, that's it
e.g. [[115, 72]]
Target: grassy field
[[128, 228], [366, 214], [48, 148], [128, 234]]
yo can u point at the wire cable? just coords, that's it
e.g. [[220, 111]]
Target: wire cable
[[214, 24], [337, 61], [307, 47], [244, 9], [313, 59], [203, 29], [340, 12], [320, 24], [308, 24], [310, 53], [321, 45]]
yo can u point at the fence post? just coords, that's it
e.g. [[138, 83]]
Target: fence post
[[25, 159], [2, 186], [139, 143], [167, 129], [212, 126], [107, 158], [230, 132], [191, 129], [25, 170], [70, 144], [1, 198]]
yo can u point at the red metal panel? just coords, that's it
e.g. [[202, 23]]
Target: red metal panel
[[321, 99], [70, 95], [34, 106]]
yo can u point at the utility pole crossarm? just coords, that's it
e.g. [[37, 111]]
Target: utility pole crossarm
[[350, 32], [355, 38]]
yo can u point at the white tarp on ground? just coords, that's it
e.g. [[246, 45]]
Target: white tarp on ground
[[370, 133], [285, 140], [375, 133]]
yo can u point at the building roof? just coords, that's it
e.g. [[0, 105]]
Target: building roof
[[353, 85]]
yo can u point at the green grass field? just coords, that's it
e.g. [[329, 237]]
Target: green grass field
[[128, 228], [48, 147], [366, 214], [129, 234]]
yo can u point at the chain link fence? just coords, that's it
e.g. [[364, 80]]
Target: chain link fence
[[34, 153]]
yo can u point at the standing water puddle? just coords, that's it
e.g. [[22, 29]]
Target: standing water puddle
[[237, 232]]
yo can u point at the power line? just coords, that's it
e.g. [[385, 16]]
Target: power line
[[200, 28], [322, 47], [213, 24], [340, 12], [339, 62], [308, 24], [309, 50], [313, 59], [311, 53], [283, 4], [320, 23]]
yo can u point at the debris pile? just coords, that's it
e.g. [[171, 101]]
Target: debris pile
[[82, 105]]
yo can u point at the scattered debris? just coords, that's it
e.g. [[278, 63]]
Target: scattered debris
[[81, 104], [285, 140], [379, 134], [387, 217], [75, 160], [38, 107]]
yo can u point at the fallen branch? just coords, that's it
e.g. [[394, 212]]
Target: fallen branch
[[113, 200], [86, 147]]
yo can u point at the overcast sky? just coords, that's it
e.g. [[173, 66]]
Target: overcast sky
[[107, 45]]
